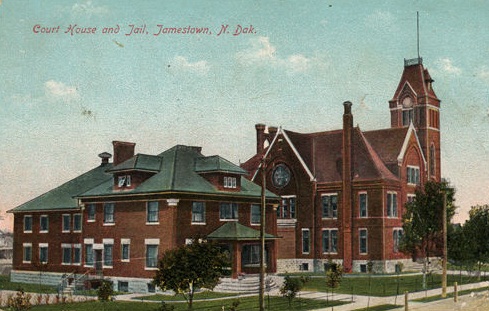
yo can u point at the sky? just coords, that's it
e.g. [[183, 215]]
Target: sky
[[67, 94]]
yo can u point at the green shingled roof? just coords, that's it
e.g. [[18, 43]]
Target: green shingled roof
[[178, 174], [62, 197], [216, 164], [140, 162], [235, 231]]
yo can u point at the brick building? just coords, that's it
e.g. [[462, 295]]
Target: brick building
[[118, 218], [343, 191]]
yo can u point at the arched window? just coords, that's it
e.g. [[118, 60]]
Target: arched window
[[432, 160], [407, 111]]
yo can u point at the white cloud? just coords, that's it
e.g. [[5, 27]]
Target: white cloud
[[58, 90], [263, 52], [88, 8], [180, 62], [446, 65]]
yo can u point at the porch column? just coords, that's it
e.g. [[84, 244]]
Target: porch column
[[236, 260]]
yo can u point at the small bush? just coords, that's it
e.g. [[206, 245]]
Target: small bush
[[106, 291], [20, 301]]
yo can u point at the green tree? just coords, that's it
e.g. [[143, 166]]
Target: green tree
[[460, 249], [292, 286], [423, 222], [106, 290], [476, 232], [191, 267], [334, 274]]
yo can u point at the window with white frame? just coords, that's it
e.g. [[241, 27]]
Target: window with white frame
[[27, 252], [43, 253], [391, 204], [330, 240], [255, 212], [152, 211], [76, 254], [363, 240], [89, 254], [396, 239], [229, 182], [66, 222], [124, 181], [28, 224], [125, 250], [413, 175], [228, 211], [108, 253], [152, 253], [109, 213], [44, 224], [66, 254], [77, 222], [306, 241], [363, 204], [287, 208], [90, 212], [329, 205], [198, 212]]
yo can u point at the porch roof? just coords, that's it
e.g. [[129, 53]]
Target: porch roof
[[234, 231]]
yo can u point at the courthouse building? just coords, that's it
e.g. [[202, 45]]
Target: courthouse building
[[343, 191]]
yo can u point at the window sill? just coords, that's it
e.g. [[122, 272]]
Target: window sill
[[150, 268], [88, 266], [43, 231], [109, 223], [152, 223], [90, 220], [107, 267], [77, 231], [65, 231], [66, 264], [198, 223], [125, 260], [28, 231], [228, 219], [329, 218], [26, 262], [330, 253]]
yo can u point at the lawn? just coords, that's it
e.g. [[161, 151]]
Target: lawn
[[197, 296], [5, 284], [386, 285], [246, 303]]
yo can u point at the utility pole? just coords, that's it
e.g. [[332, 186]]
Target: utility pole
[[262, 234], [445, 248]]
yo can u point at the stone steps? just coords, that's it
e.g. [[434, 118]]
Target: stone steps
[[247, 284]]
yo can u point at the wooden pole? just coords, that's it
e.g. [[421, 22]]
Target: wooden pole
[[262, 237], [445, 248], [455, 292], [406, 301]]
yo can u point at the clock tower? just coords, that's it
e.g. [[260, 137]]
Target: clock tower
[[415, 102]]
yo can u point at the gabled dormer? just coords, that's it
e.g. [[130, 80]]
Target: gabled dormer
[[134, 171], [221, 173]]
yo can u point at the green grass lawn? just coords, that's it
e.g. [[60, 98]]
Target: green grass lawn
[[246, 303], [197, 296], [386, 285], [5, 284]]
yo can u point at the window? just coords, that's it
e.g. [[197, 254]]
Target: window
[[413, 175], [152, 252], [27, 224], [124, 181], [432, 161], [228, 211], [330, 206], [229, 182], [391, 204], [152, 210], [90, 212], [305, 241], [123, 286], [125, 249], [396, 239], [108, 213], [255, 214], [77, 254], [330, 240], [27, 253], [43, 253], [362, 204], [43, 224], [198, 212], [288, 208], [250, 255], [108, 253], [89, 255], [410, 197], [77, 222], [407, 116], [66, 253], [66, 222], [363, 241]]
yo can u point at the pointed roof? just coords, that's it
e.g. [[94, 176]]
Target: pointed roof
[[417, 77], [62, 197], [235, 231]]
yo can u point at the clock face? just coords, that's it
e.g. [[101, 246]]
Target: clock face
[[281, 176], [407, 102]]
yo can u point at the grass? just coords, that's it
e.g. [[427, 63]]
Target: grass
[[197, 296], [246, 303], [386, 285], [380, 308], [5, 284]]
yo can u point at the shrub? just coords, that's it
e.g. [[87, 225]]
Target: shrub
[[20, 301], [106, 291]]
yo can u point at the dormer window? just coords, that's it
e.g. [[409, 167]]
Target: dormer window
[[229, 182], [124, 181], [407, 111]]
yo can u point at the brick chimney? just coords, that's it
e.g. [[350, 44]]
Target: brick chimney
[[260, 137], [347, 187], [122, 151]]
